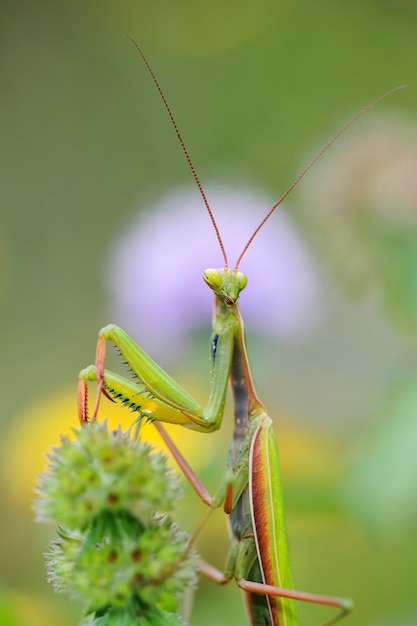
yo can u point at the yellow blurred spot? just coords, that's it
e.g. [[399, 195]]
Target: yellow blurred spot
[[42, 425], [28, 609]]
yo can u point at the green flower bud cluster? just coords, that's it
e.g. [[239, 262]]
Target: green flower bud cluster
[[116, 547]]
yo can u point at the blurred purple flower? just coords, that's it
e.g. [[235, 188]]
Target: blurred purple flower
[[155, 269]]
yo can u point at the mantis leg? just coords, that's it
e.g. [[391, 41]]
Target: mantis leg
[[243, 557], [157, 395], [251, 587], [133, 395]]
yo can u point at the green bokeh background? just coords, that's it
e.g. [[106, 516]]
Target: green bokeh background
[[84, 142]]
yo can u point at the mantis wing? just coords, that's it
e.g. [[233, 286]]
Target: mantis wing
[[268, 520]]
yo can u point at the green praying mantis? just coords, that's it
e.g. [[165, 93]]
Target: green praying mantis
[[250, 489]]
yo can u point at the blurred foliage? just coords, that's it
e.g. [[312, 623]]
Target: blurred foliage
[[361, 204], [255, 87], [383, 473]]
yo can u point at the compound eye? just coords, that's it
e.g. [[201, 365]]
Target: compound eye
[[242, 280], [213, 278]]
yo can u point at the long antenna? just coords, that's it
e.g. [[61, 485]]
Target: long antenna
[[184, 149], [310, 165]]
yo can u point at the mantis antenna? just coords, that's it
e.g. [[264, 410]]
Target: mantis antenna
[[184, 149], [310, 165]]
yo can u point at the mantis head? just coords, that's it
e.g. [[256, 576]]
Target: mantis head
[[226, 284]]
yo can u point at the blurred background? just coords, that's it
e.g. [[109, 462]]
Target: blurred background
[[97, 225]]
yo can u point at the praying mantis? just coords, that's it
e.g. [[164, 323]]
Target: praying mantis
[[250, 489]]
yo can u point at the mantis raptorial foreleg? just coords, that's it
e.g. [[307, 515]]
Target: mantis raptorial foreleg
[[156, 395]]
